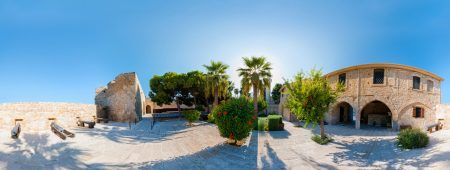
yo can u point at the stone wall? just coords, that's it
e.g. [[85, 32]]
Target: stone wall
[[122, 99], [35, 115], [443, 113]]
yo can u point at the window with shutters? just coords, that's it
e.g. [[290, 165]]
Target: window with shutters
[[430, 86], [342, 78], [418, 112], [378, 76], [416, 82]]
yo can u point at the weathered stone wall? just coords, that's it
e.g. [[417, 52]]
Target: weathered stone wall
[[35, 115], [123, 97]]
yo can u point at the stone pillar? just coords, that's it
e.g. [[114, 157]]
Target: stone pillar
[[395, 125], [358, 119]]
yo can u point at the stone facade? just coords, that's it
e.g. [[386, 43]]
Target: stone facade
[[35, 115], [391, 103], [122, 100]]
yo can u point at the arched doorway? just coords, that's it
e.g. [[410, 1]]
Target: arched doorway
[[148, 109], [376, 113], [345, 113]]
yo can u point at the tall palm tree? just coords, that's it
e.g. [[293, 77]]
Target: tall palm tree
[[256, 75], [216, 80]]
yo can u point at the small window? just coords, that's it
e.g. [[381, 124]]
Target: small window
[[342, 78], [416, 82], [378, 76], [430, 85], [418, 112]]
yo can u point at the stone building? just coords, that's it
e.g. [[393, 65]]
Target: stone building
[[385, 95], [152, 107], [122, 99]]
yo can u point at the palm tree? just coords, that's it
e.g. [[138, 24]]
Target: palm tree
[[216, 80], [255, 75]]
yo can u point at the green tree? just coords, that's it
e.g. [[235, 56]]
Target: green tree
[[309, 98], [170, 87], [216, 81], [196, 83], [276, 94], [256, 75], [236, 92]]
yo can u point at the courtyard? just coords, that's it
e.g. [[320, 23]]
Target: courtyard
[[172, 145]]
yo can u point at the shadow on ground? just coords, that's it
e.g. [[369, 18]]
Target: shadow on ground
[[35, 151]]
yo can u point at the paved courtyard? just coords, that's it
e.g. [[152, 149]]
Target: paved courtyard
[[172, 145]]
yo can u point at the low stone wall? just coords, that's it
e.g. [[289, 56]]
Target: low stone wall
[[443, 112], [35, 115]]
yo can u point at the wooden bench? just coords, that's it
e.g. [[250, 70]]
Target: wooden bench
[[16, 129], [436, 126], [98, 120], [82, 123], [60, 131]]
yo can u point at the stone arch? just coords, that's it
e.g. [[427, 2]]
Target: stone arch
[[406, 118], [376, 113], [148, 109], [348, 112]]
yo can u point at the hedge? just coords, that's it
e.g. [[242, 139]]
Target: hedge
[[275, 122]]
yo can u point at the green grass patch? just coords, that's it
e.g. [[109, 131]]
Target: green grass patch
[[319, 140]]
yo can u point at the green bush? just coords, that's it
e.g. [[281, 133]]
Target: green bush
[[234, 118], [275, 122], [262, 124], [262, 105], [191, 115], [200, 108], [319, 140], [211, 118], [412, 138]]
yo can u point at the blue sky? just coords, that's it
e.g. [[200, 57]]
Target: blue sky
[[63, 50]]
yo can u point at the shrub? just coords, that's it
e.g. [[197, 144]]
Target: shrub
[[275, 122], [319, 140], [191, 115], [234, 118], [262, 124], [262, 105], [412, 138], [211, 118], [200, 108]]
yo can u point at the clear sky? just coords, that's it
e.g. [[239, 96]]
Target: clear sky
[[63, 50]]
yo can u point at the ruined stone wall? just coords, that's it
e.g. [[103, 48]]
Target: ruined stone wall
[[35, 115], [123, 97], [396, 92]]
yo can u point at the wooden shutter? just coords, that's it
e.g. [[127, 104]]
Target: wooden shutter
[[422, 112], [414, 112]]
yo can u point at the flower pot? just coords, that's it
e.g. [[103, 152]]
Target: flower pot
[[231, 141], [240, 142]]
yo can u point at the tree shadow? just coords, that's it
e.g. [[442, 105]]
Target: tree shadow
[[221, 156], [35, 151], [270, 160], [385, 154], [284, 134], [141, 132], [349, 130]]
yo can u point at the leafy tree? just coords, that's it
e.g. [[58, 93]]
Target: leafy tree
[[216, 81], [256, 75], [276, 94], [196, 83], [309, 98], [170, 87]]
